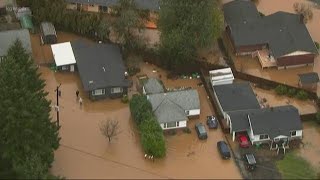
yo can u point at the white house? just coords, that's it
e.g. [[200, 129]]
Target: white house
[[221, 76], [172, 109], [64, 56]]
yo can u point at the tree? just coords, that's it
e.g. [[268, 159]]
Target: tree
[[110, 129], [28, 136], [186, 25], [281, 90], [302, 95], [304, 10]]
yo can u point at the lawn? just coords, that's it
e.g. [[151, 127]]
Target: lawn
[[295, 167]]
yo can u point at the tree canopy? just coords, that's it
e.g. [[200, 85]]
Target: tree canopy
[[28, 137], [186, 25]]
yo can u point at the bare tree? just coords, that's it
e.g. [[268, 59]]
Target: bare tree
[[304, 10], [110, 128]]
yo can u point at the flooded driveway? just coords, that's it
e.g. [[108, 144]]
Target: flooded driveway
[[85, 153]]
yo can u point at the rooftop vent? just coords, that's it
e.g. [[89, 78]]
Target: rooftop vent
[[90, 82], [104, 69]]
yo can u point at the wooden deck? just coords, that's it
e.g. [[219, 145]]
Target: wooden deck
[[264, 59]]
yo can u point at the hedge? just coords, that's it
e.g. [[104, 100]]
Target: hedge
[[152, 138]]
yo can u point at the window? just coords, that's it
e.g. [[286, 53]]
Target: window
[[64, 68], [264, 136], [178, 124], [293, 133], [164, 125], [98, 92], [171, 124], [116, 90]]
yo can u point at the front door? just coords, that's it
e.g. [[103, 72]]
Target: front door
[[71, 68]]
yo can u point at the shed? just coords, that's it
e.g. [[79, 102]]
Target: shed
[[26, 22], [63, 56], [48, 33], [308, 80]]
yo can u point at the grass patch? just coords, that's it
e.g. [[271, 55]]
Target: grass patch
[[295, 167]]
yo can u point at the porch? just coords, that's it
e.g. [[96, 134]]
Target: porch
[[265, 59]]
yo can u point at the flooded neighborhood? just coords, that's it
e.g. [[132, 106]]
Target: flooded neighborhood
[[135, 91]]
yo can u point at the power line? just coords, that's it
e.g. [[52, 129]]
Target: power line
[[116, 162]]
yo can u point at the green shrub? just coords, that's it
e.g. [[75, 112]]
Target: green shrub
[[139, 106], [150, 125], [281, 90], [318, 117], [171, 132], [125, 99], [302, 95], [186, 130], [317, 45], [291, 92], [153, 144]]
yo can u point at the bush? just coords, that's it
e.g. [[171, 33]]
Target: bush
[[171, 132], [125, 99], [318, 117], [281, 90], [302, 95], [291, 92], [317, 45], [153, 144], [139, 107], [187, 130], [133, 71]]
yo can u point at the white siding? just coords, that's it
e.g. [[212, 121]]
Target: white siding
[[221, 82], [93, 8], [182, 124], [221, 76], [299, 133], [194, 112]]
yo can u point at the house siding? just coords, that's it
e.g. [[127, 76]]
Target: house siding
[[108, 94], [182, 124], [194, 112], [287, 61]]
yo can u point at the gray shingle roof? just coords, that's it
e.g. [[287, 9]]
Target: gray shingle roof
[[142, 4], [236, 96], [99, 65], [7, 38], [309, 78], [171, 106], [282, 31], [153, 86], [48, 28], [275, 121]]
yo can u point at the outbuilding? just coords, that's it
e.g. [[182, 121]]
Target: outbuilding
[[309, 80], [63, 56], [48, 33]]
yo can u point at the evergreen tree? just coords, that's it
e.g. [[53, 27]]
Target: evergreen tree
[[28, 137]]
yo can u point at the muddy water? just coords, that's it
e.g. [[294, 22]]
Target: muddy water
[[84, 153], [311, 149]]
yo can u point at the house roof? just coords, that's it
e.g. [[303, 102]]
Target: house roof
[[284, 32], [48, 28], [239, 119], [153, 86], [142, 4], [63, 54], [275, 121], [7, 38], [236, 96], [309, 78], [99, 65], [171, 106]]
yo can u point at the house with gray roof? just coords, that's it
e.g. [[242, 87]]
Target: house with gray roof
[[152, 86], [278, 40], [309, 80], [101, 69], [172, 109], [273, 124], [7, 38]]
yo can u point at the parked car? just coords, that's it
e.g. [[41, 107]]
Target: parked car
[[243, 141], [224, 150], [250, 162], [201, 131], [212, 122]]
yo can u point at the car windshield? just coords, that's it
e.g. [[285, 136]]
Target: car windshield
[[201, 129]]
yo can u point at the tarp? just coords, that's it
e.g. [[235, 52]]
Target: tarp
[[26, 22]]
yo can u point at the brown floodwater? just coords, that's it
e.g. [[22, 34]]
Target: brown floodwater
[[85, 153], [311, 149]]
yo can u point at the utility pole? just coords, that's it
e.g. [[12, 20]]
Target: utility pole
[[57, 108]]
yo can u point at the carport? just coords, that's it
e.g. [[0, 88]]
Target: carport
[[63, 56]]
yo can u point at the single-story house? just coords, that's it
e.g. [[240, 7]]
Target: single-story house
[[172, 109], [221, 76], [107, 5], [309, 80], [101, 69], [7, 38], [152, 86], [278, 40], [235, 97], [273, 124], [63, 56], [48, 33]]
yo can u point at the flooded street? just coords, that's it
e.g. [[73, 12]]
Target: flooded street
[[311, 149], [85, 153]]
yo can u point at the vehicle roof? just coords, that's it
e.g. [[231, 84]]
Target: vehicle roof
[[223, 146], [201, 128], [251, 159]]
